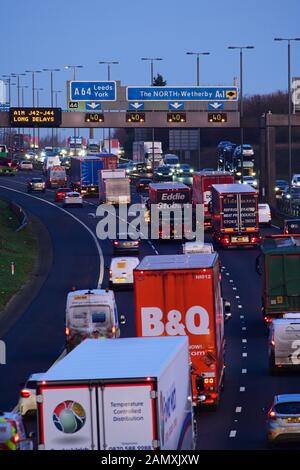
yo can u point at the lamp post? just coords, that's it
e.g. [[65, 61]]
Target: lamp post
[[38, 104], [23, 87], [55, 93], [51, 92], [289, 40], [74, 68], [241, 49], [33, 72], [198, 54], [152, 60], [108, 63], [18, 75]]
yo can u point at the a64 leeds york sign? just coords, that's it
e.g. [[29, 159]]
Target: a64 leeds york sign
[[35, 117]]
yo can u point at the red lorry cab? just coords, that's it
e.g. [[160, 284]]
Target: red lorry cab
[[202, 184], [181, 295], [235, 214]]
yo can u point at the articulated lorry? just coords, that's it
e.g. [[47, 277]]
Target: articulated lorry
[[84, 174], [202, 184], [178, 295], [279, 266], [147, 152], [235, 215], [126, 394]]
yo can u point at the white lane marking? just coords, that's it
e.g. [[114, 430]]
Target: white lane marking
[[234, 288], [242, 316], [153, 247], [238, 409], [244, 328], [244, 371], [223, 267], [240, 306], [232, 433], [242, 389], [231, 280], [245, 354], [244, 340], [275, 226], [237, 296], [101, 273], [227, 274]]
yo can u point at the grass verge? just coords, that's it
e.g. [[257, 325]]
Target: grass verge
[[19, 248]]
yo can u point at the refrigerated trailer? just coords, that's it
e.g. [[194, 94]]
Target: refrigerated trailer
[[181, 295], [235, 214], [125, 394]]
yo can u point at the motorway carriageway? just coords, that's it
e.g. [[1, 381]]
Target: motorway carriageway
[[37, 338]]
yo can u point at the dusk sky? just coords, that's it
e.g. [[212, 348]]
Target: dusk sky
[[51, 33]]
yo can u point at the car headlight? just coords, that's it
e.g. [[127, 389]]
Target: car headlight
[[134, 168], [253, 174], [180, 171], [288, 196], [177, 165], [191, 170], [127, 171], [254, 183], [276, 188], [239, 173]]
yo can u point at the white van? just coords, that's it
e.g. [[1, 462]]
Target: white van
[[170, 160], [121, 271], [284, 342], [91, 314], [296, 181], [197, 247], [49, 162]]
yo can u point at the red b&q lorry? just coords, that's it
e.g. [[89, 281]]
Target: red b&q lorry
[[181, 295], [202, 184]]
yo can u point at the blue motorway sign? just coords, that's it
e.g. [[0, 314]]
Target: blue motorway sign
[[4, 106], [180, 93], [92, 91]]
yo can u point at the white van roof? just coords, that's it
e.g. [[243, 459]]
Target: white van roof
[[91, 295]]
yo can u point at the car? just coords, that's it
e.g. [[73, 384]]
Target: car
[[197, 247], [264, 214], [30, 155], [25, 165], [121, 271], [280, 186], [184, 170], [36, 184], [247, 151], [60, 194], [250, 180], [293, 193], [27, 401], [124, 244], [163, 173], [291, 226], [296, 181], [283, 420], [73, 199], [224, 143], [13, 433], [143, 184]]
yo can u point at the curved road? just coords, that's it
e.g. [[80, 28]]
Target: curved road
[[36, 340]]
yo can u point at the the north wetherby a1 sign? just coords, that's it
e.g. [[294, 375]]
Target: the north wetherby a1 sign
[[92, 91], [180, 93]]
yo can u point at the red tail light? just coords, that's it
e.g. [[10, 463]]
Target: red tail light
[[67, 331], [268, 320], [113, 330], [272, 414], [253, 239], [16, 438], [116, 242], [110, 275], [25, 393], [226, 240]]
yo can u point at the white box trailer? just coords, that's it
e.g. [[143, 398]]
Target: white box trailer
[[114, 187], [284, 342], [125, 394]]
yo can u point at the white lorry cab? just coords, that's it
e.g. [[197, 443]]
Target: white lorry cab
[[91, 314], [284, 343]]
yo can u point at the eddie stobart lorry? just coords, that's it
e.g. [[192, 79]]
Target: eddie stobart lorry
[[279, 267]]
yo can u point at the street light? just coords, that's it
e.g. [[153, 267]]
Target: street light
[[289, 40], [152, 60], [108, 63], [198, 54], [51, 91], [74, 67], [18, 75], [55, 92], [33, 72], [241, 48]]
